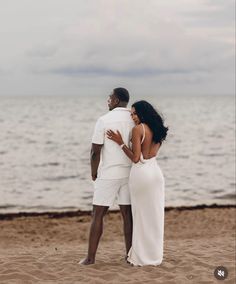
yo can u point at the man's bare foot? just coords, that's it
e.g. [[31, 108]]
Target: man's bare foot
[[87, 261]]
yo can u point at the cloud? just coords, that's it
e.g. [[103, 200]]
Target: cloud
[[212, 13], [136, 72], [43, 51], [158, 41], [170, 49]]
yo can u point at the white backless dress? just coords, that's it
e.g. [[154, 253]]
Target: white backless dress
[[147, 186]]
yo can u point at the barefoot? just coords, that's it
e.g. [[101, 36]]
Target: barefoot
[[87, 261]]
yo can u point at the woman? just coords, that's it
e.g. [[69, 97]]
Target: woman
[[146, 184]]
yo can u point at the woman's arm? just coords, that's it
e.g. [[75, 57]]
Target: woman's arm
[[133, 154]]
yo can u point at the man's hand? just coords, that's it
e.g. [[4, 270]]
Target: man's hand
[[94, 177]]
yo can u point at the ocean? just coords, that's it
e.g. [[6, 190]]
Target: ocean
[[45, 147]]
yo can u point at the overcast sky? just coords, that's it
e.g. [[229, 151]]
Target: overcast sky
[[59, 47]]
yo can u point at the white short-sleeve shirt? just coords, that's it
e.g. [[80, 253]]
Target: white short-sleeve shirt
[[114, 164]]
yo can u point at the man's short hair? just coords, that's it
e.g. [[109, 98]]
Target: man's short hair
[[122, 94]]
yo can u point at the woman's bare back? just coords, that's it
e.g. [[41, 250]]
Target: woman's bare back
[[149, 149]]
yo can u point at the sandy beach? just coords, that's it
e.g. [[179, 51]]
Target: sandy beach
[[46, 248]]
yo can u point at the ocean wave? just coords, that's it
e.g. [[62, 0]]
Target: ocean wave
[[59, 178], [46, 164], [231, 196]]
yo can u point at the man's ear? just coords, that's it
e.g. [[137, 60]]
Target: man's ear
[[117, 101]]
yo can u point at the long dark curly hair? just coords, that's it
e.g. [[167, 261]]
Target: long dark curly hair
[[147, 114]]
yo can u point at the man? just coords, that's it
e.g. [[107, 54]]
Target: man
[[110, 169]]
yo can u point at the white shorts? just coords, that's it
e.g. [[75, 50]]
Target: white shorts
[[107, 190]]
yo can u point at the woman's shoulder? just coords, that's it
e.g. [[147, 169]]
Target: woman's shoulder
[[138, 128]]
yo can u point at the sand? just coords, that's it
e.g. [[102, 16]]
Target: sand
[[38, 248]]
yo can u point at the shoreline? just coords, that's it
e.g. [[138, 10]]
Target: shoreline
[[79, 213]]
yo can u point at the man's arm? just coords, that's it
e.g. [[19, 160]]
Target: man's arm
[[95, 159]]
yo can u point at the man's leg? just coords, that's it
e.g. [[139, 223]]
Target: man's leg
[[96, 230], [128, 225]]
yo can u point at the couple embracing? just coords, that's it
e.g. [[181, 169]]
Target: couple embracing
[[123, 165]]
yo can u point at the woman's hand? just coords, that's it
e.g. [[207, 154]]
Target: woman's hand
[[116, 137]]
